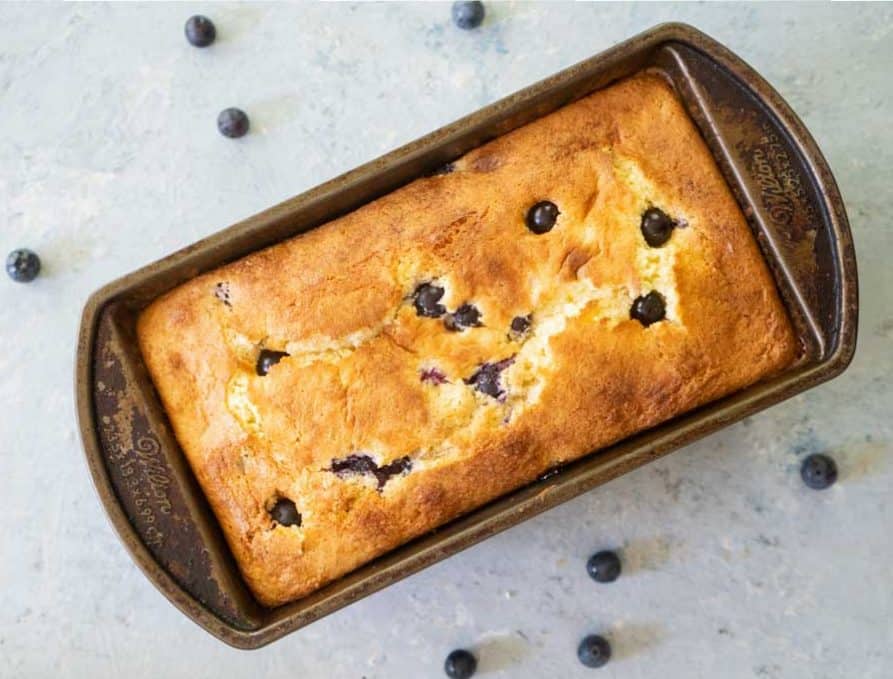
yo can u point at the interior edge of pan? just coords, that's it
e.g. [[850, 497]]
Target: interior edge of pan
[[182, 599], [832, 201]]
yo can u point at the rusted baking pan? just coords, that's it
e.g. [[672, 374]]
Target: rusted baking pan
[[778, 175]]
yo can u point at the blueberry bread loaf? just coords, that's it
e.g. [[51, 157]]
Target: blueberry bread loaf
[[575, 281]]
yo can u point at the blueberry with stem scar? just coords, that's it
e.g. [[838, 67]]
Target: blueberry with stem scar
[[657, 227], [594, 651], [542, 217], [818, 471]]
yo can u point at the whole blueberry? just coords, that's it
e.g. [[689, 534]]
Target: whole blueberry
[[200, 31], [232, 123], [542, 216], [648, 309], [818, 471], [466, 316], [594, 651], [426, 300], [267, 359], [657, 227], [285, 513], [487, 378], [468, 15], [460, 664], [604, 566], [520, 326], [22, 265]]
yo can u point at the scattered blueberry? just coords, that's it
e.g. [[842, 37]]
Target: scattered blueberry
[[285, 513], [468, 15], [426, 300], [200, 31], [487, 377], [648, 309], [604, 566], [520, 326], [363, 464], [657, 227], [541, 217], [818, 471], [233, 123], [267, 359], [594, 651], [466, 316], [22, 265], [460, 664]]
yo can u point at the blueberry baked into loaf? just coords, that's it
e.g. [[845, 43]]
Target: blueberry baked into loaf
[[575, 281]]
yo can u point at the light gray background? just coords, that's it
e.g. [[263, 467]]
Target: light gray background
[[109, 159]]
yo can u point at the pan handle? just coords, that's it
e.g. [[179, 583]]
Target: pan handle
[[783, 185], [148, 490]]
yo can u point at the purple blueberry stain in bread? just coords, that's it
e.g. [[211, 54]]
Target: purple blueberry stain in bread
[[221, 292], [486, 163], [432, 376], [426, 300], [487, 378], [466, 316], [363, 464], [285, 513], [353, 464], [399, 467], [267, 359]]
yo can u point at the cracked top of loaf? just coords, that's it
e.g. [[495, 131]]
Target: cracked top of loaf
[[575, 281]]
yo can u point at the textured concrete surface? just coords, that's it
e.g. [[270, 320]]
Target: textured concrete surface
[[109, 158]]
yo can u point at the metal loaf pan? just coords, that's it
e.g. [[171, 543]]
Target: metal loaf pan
[[778, 175]]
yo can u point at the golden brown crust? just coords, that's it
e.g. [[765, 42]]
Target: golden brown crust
[[338, 300]]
